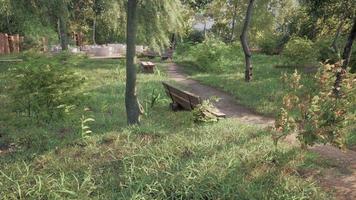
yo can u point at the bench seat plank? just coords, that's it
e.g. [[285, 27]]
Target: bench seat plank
[[147, 67], [186, 99]]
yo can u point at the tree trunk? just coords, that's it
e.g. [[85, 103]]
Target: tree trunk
[[244, 42], [59, 30], [8, 24], [204, 28], [346, 59], [334, 43], [173, 41], [94, 30], [233, 23], [133, 110], [62, 14], [63, 33]]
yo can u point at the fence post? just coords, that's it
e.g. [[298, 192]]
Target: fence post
[[16, 43], [6, 45], [1, 44], [11, 43], [44, 42], [22, 38]]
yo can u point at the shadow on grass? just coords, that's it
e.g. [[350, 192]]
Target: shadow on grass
[[106, 106], [191, 168]]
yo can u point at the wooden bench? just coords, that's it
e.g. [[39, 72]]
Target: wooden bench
[[168, 54], [150, 54], [185, 100], [148, 67]]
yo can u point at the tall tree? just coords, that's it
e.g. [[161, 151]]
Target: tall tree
[[63, 32], [165, 19], [346, 59], [133, 110], [244, 42], [233, 21], [58, 10], [98, 8]]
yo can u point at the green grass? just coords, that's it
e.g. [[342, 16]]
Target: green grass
[[166, 157], [263, 94]]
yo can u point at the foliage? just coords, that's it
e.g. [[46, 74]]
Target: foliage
[[210, 56], [195, 36], [85, 133], [43, 91], [201, 112], [326, 53], [225, 12], [111, 21], [272, 44], [197, 5], [321, 117], [21, 17], [300, 51], [165, 19]]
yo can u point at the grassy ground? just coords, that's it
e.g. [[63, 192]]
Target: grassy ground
[[167, 157], [264, 94]]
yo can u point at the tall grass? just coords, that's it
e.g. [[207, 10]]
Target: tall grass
[[167, 157]]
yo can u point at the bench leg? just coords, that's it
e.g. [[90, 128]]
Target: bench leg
[[174, 106]]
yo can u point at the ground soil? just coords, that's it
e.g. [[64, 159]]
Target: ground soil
[[340, 178]]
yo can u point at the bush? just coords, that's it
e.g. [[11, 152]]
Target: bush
[[43, 90], [272, 44], [30, 43], [322, 117], [210, 56], [202, 112], [326, 53], [300, 51], [196, 36]]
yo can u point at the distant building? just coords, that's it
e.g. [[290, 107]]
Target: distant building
[[202, 23]]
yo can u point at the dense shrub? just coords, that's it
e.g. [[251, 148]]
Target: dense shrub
[[196, 36], [322, 117], [43, 90], [326, 53], [300, 51], [272, 44], [210, 56], [30, 43]]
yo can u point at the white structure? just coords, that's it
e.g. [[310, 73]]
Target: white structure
[[202, 23]]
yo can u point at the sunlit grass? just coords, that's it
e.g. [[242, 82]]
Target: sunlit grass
[[166, 157], [263, 94]]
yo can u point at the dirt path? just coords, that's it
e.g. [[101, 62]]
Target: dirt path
[[340, 178], [226, 104]]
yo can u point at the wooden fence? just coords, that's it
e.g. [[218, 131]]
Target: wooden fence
[[10, 43]]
